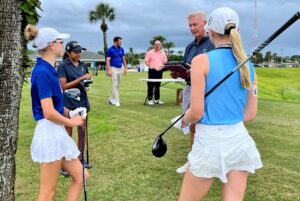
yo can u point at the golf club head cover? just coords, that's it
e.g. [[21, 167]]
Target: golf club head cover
[[73, 93], [87, 88], [86, 84], [178, 124], [78, 111]]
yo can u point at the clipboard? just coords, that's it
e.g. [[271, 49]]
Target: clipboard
[[180, 68]]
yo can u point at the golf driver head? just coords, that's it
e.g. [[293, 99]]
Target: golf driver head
[[159, 147], [86, 82], [73, 93]]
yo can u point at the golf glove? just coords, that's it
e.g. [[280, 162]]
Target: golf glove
[[178, 124], [78, 111]]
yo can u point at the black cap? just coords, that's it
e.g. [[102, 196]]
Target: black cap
[[74, 46]]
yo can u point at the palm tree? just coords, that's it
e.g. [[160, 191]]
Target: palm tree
[[102, 13], [130, 54], [180, 52], [161, 38], [168, 46], [171, 52], [13, 56], [268, 57]]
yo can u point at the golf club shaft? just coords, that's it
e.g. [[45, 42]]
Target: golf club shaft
[[82, 154], [87, 141], [293, 19], [172, 125]]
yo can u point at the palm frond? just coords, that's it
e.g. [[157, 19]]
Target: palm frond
[[102, 10]]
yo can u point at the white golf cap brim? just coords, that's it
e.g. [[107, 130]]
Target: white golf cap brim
[[64, 35], [48, 35]]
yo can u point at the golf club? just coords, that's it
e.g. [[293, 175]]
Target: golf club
[[87, 165], [159, 146], [83, 166], [73, 93]]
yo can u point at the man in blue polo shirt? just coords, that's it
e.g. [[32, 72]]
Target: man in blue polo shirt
[[201, 44], [115, 57]]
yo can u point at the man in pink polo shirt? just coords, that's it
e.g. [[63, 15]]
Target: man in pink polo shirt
[[155, 59]]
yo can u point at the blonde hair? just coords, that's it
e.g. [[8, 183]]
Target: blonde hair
[[31, 32], [239, 54], [199, 14]]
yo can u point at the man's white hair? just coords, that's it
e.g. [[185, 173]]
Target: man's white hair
[[199, 14]]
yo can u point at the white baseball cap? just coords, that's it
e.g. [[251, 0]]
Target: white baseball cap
[[220, 17], [46, 36]]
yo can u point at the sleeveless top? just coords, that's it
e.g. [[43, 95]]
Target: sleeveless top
[[225, 105]]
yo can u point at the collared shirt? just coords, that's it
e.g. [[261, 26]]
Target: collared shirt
[[68, 70], [45, 84], [194, 49], [116, 56], [156, 59]]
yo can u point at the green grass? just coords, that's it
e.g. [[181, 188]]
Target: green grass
[[120, 142], [280, 84]]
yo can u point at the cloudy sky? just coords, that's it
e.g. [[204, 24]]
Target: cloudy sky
[[137, 21]]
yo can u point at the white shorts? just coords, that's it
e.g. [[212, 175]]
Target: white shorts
[[218, 149], [51, 142]]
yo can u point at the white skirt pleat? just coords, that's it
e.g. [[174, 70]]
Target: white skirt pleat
[[218, 149], [51, 142]]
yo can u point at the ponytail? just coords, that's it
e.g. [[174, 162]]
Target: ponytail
[[65, 55], [30, 32], [239, 54]]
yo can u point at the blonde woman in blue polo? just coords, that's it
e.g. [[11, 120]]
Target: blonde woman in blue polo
[[51, 145], [222, 147]]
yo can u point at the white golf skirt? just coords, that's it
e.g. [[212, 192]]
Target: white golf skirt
[[218, 149], [51, 142]]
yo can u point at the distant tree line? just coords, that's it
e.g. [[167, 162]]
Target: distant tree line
[[267, 58], [270, 57]]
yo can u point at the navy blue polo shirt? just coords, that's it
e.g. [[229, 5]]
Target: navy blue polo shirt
[[68, 70], [45, 84], [194, 49], [116, 55]]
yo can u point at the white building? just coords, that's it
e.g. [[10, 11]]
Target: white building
[[143, 66]]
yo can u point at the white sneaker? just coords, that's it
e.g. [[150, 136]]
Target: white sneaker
[[112, 101], [183, 168], [159, 102], [150, 102], [117, 104]]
